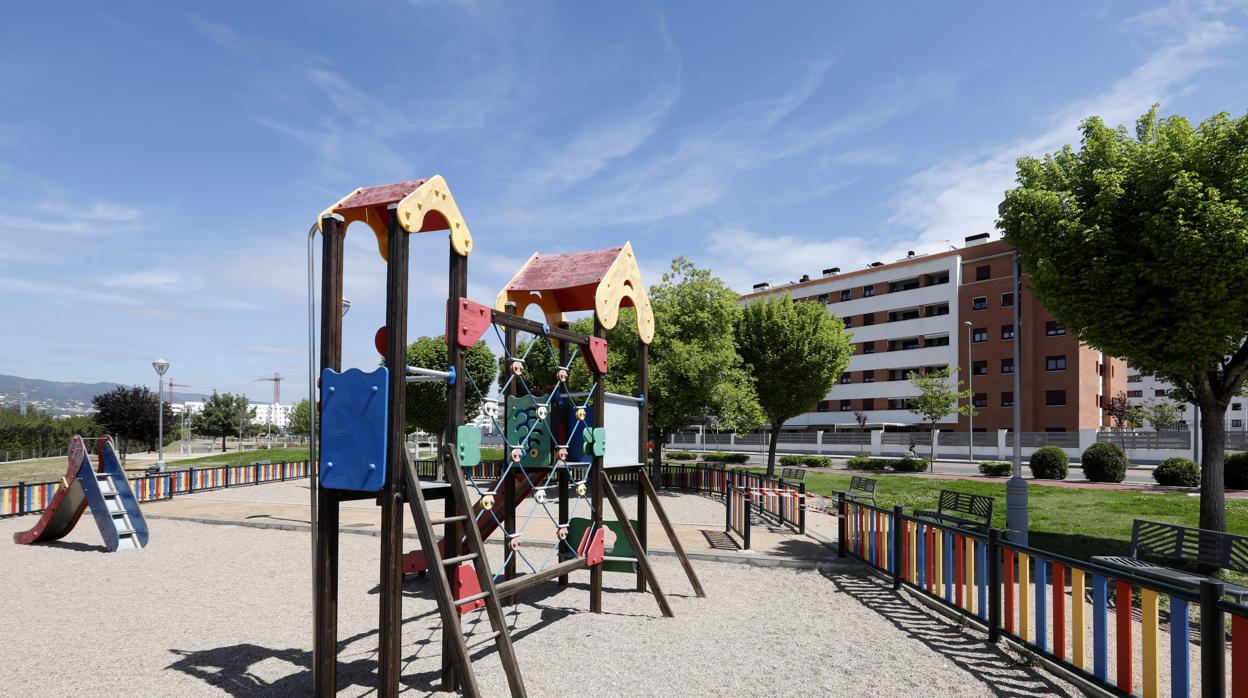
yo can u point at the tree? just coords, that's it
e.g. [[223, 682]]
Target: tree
[[225, 414], [861, 418], [938, 398], [1163, 414], [1123, 414], [795, 352], [1139, 244], [130, 413], [300, 423], [427, 401]]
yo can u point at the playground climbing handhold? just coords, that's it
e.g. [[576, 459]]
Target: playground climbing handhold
[[540, 496], [541, 412], [562, 533], [487, 502], [563, 454], [580, 414], [562, 375], [516, 455], [580, 490], [517, 367], [514, 543]]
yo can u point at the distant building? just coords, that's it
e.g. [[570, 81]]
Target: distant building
[[275, 414], [1142, 389]]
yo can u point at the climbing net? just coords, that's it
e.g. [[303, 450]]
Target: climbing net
[[546, 434]]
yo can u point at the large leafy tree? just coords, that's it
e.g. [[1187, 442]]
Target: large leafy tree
[[300, 423], [1163, 414], [427, 401], [1139, 244], [130, 414], [225, 414], [938, 398], [795, 352]]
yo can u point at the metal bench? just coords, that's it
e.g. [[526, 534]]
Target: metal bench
[[970, 511], [1196, 547], [861, 490], [793, 474]]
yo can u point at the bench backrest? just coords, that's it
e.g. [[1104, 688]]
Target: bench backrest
[[1196, 545], [793, 474], [963, 505], [861, 484]]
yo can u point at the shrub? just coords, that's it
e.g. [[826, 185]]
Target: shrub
[[1236, 471], [909, 465], [1105, 462], [865, 463], [726, 457], [1177, 472], [792, 460], [995, 468], [1050, 463], [681, 455], [817, 461]]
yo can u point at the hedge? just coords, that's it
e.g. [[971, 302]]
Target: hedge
[[1049, 463], [1177, 472], [995, 468], [1105, 462], [726, 457]]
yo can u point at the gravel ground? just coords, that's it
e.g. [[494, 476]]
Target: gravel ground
[[225, 610]]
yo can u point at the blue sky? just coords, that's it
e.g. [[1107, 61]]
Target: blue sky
[[160, 166]]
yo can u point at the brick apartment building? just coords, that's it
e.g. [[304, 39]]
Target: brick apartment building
[[910, 315]]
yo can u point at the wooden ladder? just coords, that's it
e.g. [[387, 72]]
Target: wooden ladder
[[460, 526]]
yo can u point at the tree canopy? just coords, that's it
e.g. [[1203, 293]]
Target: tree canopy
[[427, 401], [1139, 244], [938, 398], [300, 423], [224, 414], [130, 413], [795, 352]]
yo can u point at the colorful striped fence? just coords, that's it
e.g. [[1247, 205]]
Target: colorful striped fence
[[32, 498], [1078, 614], [738, 514]]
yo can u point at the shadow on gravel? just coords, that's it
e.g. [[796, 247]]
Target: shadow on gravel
[[999, 671], [794, 547], [74, 545]]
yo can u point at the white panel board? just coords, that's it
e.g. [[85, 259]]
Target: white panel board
[[622, 422]]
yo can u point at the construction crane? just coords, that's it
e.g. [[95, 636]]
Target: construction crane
[[277, 398], [182, 442], [173, 385]]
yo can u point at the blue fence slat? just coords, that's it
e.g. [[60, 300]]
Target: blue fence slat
[[1100, 622], [1180, 670], [947, 567], [1042, 604], [981, 573]]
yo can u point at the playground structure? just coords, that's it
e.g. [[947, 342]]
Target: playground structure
[[105, 490], [556, 439]]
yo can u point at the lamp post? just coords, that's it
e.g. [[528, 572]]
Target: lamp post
[[161, 366], [1016, 489], [970, 385]]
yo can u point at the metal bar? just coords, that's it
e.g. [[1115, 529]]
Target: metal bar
[[1212, 640]]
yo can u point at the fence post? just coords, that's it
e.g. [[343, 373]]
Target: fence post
[[190, 480], [227, 475], [169, 486], [748, 525], [801, 507], [994, 588], [1212, 640], [21, 497], [896, 552], [283, 471], [840, 524]]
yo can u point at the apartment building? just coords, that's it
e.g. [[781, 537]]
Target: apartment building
[[1142, 389], [908, 316]]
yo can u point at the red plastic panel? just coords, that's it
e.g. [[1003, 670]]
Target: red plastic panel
[[593, 549], [474, 320], [465, 584], [596, 356]]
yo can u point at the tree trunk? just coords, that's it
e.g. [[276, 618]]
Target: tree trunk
[[771, 448], [932, 468], [1212, 460], [656, 451], [223, 443]]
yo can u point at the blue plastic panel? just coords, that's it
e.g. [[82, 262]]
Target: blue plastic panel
[[353, 429]]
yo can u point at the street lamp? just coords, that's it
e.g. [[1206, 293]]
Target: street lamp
[[161, 366], [970, 386], [1016, 489]]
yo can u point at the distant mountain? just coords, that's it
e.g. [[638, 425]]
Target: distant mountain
[[61, 392]]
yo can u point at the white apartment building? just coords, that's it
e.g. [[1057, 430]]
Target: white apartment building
[[913, 326], [275, 414], [1143, 388]]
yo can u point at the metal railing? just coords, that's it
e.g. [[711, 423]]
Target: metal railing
[[1147, 439]]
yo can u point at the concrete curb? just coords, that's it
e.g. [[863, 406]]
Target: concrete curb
[[754, 559]]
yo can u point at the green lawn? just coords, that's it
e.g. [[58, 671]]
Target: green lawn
[[276, 455], [1079, 523]]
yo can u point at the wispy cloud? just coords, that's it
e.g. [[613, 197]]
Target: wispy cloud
[[222, 35]]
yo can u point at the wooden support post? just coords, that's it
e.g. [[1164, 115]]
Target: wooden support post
[[458, 288], [508, 484], [647, 487], [642, 561], [643, 390], [599, 478], [391, 601], [564, 509], [325, 564]]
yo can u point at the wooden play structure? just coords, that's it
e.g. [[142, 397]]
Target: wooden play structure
[[557, 441]]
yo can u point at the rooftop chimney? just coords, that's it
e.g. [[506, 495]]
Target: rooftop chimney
[[876, 264], [762, 287], [805, 277], [980, 239], [831, 271], [909, 253]]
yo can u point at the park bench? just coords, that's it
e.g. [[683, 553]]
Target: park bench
[[970, 511], [861, 490], [1194, 547], [793, 474]]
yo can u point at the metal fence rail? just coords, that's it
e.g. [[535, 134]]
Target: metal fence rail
[[1020, 592], [1148, 439]]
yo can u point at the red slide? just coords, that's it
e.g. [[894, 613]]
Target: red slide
[[414, 561], [67, 505]]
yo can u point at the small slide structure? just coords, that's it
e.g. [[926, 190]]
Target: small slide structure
[[106, 490]]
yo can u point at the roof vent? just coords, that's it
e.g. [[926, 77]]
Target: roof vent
[[909, 254], [976, 239], [805, 277], [876, 264], [831, 271], [763, 286]]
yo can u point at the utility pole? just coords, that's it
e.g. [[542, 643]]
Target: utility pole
[[161, 366], [1016, 488], [970, 385]]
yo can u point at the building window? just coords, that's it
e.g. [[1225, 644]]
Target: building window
[[941, 341], [904, 285], [900, 315], [846, 378], [940, 277], [868, 403], [868, 347], [868, 291], [1236, 406], [1237, 423], [846, 405], [847, 294], [980, 400], [868, 319], [979, 334], [979, 303], [1007, 299], [823, 298], [1007, 399], [903, 344], [980, 368], [983, 273], [1135, 378], [1007, 365], [1007, 332], [1135, 393], [1052, 329], [824, 406], [1055, 430], [1055, 363], [938, 309], [848, 321], [1055, 397], [868, 376], [1159, 393]]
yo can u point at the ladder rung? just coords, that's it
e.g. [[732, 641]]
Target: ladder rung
[[478, 641], [125, 531], [469, 599], [449, 519], [459, 558], [612, 558]]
